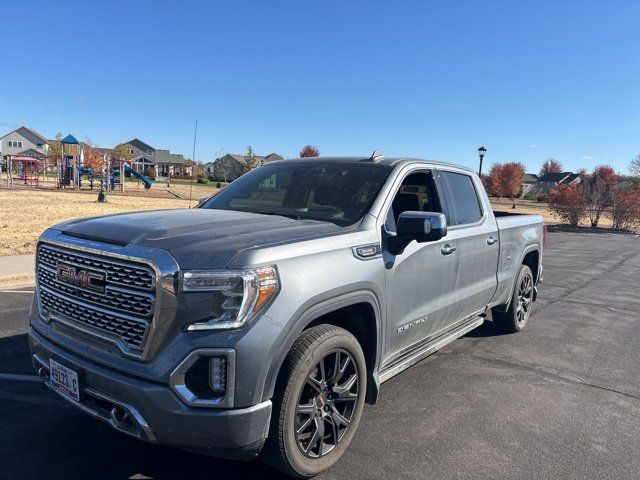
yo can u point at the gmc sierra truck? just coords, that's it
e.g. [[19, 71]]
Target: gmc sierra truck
[[260, 322]]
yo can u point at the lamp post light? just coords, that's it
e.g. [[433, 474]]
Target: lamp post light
[[481, 152]]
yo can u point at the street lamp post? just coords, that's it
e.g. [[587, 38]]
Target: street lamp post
[[481, 152]]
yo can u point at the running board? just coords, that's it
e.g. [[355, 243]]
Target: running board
[[429, 348]]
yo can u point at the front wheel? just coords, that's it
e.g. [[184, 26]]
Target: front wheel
[[318, 402], [516, 317]]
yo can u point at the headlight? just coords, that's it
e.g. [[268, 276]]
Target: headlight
[[238, 295]]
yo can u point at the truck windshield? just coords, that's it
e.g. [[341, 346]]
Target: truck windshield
[[334, 192]]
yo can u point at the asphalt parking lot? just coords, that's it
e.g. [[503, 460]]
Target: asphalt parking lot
[[560, 400]]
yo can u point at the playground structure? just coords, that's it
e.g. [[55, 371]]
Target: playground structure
[[67, 171], [112, 176], [24, 171]]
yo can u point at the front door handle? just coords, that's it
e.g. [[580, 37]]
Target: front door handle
[[448, 249], [491, 240]]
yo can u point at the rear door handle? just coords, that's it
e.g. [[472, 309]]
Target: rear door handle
[[448, 249], [491, 240]]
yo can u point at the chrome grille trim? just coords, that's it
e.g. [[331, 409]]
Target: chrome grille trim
[[115, 298], [120, 273], [128, 313]]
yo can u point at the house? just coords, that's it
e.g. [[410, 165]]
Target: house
[[552, 180], [231, 166], [22, 140], [165, 163], [169, 164], [529, 181], [142, 155]]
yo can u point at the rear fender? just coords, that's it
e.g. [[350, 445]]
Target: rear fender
[[531, 248]]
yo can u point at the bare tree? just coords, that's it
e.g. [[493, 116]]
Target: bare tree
[[634, 166], [249, 161], [223, 168]]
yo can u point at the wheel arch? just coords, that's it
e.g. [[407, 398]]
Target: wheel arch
[[357, 312], [530, 257]]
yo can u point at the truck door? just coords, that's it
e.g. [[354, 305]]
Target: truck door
[[420, 280], [475, 232]]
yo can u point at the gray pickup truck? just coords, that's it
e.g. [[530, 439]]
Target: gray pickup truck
[[261, 322]]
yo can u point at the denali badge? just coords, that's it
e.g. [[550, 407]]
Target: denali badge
[[415, 323], [80, 277]]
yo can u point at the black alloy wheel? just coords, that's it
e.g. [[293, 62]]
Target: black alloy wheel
[[516, 316], [525, 299], [317, 402], [326, 403]]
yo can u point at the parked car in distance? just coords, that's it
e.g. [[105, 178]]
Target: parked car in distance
[[261, 322]]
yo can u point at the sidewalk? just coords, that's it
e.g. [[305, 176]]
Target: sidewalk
[[17, 271]]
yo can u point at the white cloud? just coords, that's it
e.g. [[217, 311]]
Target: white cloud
[[587, 157], [533, 145]]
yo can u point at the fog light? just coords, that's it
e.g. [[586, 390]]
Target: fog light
[[206, 378], [218, 374]]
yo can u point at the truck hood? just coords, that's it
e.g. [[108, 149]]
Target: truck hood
[[198, 238]]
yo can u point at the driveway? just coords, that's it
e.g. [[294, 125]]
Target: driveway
[[559, 400]]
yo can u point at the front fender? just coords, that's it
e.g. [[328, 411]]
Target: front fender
[[308, 315]]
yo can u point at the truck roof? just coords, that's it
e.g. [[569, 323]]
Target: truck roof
[[388, 161]]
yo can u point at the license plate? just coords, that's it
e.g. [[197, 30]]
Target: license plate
[[64, 380]]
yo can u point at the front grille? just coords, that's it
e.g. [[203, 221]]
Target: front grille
[[122, 308], [118, 273], [117, 299]]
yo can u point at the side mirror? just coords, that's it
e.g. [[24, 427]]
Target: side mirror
[[419, 226], [202, 200]]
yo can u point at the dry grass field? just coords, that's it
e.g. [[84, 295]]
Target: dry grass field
[[24, 214], [541, 209], [528, 208]]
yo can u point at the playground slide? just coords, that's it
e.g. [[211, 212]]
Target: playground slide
[[139, 176]]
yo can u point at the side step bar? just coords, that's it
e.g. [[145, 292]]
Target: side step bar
[[426, 350]]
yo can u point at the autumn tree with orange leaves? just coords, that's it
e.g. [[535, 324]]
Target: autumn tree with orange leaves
[[567, 203], [505, 180], [92, 158], [550, 166], [309, 151]]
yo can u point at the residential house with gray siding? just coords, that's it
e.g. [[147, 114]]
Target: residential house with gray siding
[[163, 162], [529, 181], [23, 141], [142, 154]]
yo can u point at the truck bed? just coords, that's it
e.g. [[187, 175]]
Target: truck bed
[[519, 234]]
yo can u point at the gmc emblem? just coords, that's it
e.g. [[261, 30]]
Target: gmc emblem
[[81, 278]]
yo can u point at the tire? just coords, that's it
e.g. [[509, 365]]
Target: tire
[[516, 317], [332, 406]]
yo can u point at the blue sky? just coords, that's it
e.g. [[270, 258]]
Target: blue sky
[[434, 79]]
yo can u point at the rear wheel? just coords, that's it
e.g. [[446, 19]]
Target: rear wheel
[[516, 317], [318, 402]]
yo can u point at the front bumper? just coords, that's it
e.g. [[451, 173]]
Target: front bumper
[[152, 412]]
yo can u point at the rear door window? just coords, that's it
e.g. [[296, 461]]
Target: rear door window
[[463, 204]]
